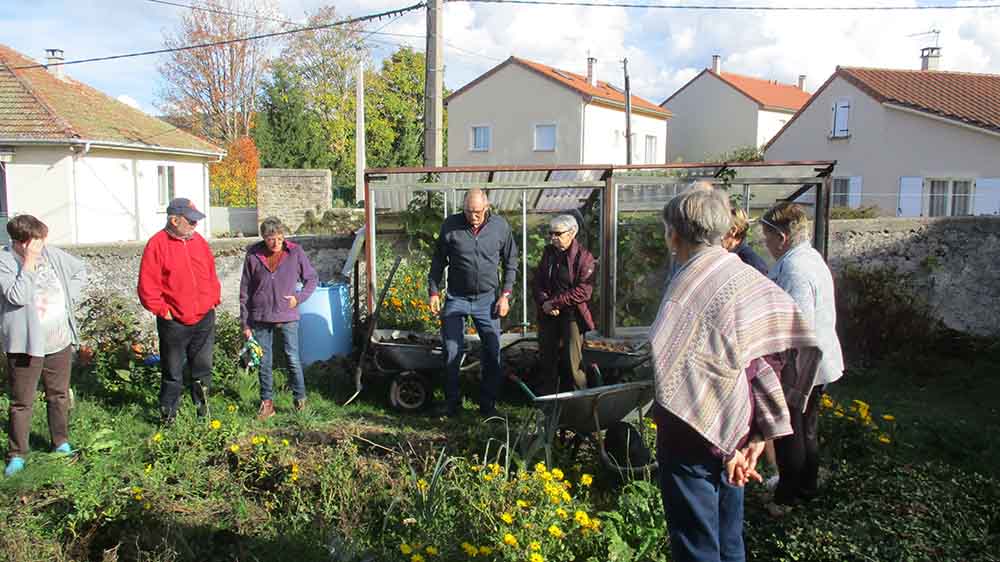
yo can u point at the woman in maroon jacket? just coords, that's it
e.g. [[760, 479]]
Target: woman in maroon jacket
[[562, 287]]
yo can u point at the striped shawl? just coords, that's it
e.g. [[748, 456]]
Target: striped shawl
[[717, 316]]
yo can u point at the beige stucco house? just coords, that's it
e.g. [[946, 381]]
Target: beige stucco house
[[717, 112], [911, 142], [523, 112], [90, 167]]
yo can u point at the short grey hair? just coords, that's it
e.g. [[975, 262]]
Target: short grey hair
[[271, 226], [700, 215], [563, 223]]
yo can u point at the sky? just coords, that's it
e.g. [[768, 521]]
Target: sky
[[665, 48]]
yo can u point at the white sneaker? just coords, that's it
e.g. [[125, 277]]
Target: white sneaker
[[771, 483]]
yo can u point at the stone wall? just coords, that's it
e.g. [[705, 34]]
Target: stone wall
[[288, 194], [954, 262], [116, 266]]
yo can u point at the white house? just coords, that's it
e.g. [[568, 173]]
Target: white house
[[90, 167], [716, 112], [523, 112], [911, 142]]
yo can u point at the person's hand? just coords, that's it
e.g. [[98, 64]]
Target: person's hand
[[751, 453], [547, 308], [554, 313], [736, 469], [247, 333], [503, 306], [435, 303], [168, 316], [31, 251], [292, 301]]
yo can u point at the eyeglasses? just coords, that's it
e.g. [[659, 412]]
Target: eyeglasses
[[771, 224], [557, 232]]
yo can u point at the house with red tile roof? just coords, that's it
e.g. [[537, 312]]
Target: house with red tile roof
[[523, 112], [914, 143], [717, 112], [92, 168]]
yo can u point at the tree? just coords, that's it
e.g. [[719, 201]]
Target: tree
[[215, 87], [396, 97], [287, 133], [233, 181]]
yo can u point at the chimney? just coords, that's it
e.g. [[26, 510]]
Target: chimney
[[591, 77], [717, 64], [930, 57], [802, 82], [54, 64]]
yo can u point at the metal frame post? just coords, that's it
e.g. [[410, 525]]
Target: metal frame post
[[370, 246], [609, 255], [821, 230], [524, 262]]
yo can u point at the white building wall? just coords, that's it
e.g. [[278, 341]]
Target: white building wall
[[512, 101], [604, 136], [710, 118], [38, 180], [885, 145], [769, 123]]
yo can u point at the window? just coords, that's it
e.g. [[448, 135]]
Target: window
[[949, 198], [635, 149], [3, 189], [545, 137], [841, 114], [481, 138], [650, 149], [841, 192], [165, 182]]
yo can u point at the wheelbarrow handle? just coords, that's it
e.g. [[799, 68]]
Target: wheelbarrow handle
[[371, 330]]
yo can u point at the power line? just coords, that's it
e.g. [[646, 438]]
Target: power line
[[388, 13], [596, 4]]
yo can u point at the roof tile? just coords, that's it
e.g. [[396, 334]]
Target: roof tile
[[769, 93]]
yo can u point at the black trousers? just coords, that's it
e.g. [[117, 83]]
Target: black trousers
[[180, 345], [798, 454]]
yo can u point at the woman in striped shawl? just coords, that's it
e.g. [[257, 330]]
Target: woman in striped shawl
[[722, 334]]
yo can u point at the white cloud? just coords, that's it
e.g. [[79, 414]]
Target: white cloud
[[129, 101]]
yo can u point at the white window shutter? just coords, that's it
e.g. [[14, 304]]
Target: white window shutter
[[987, 197], [911, 196], [842, 113], [854, 193], [833, 120]]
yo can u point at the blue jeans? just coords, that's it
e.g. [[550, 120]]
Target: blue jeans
[[263, 332], [704, 512], [487, 323]]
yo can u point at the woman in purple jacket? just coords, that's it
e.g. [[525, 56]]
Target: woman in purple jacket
[[269, 301], [562, 287]]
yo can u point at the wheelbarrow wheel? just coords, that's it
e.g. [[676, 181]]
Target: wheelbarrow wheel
[[409, 392]]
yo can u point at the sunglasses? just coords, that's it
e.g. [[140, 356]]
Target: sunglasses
[[771, 224], [557, 232]]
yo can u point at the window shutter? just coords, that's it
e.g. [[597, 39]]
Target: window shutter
[[854, 193], [986, 198], [911, 196], [842, 113]]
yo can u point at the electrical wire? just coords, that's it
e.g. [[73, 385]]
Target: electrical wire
[[722, 8], [388, 13]]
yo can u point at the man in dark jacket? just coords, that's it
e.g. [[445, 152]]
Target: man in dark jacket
[[562, 287], [473, 245]]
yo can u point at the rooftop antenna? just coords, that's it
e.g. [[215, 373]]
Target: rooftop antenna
[[935, 32]]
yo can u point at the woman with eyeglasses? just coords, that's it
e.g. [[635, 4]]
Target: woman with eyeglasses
[[803, 273], [563, 285]]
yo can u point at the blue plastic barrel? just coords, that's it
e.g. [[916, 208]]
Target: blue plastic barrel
[[325, 327]]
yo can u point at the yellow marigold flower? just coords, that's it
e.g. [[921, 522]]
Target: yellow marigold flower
[[216, 424], [157, 438], [416, 558], [136, 490], [475, 468], [431, 550], [405, 548], [507, 518], [535, 545], [470, 550], [595, 524], [884, 439], [565, 496], [231, 408], [826, 402], [535, 557], [556, 532], [561, 513], [586, 480], [522, 504], [422, 485], [510, 540], [295, 468], [147, 506], [495, 468], [557, 474], [567, 484], [839, 414], [582, 518], [256, 440], [889, 417], [485, 550], [540, 467], [149, 468], [487, 477], [234, 448]]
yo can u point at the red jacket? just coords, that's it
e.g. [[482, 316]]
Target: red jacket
[[581, 273], [178, 276]]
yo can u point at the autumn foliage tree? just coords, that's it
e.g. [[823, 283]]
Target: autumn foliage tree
[[233, 181]]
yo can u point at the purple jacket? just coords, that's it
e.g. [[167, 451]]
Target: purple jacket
[[262, 293]]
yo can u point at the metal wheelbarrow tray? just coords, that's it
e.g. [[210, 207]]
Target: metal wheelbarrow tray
[[614, 353]]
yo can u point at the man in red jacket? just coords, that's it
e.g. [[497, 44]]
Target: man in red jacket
[[178, 283]]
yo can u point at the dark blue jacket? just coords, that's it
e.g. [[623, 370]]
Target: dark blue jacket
[[750, 257], [473, 260]]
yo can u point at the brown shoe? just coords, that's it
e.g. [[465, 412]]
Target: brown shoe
[[266, 410], [300, 405]]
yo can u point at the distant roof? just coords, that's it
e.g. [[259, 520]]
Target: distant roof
[[769, 94], [603, 91], [971, 99], [36, 105]]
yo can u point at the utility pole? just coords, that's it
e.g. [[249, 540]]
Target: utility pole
[[434, 85], [359, 135], [628, 115]]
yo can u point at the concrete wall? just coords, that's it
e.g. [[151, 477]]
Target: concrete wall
[[288, 194], [38, 183], [953, 262], [769, 123], [886, 144], [511, 102], [710, 117], [604, 136], [234, 220], [116, 266]]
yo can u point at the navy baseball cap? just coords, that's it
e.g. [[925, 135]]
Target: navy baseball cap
[[183, 206]]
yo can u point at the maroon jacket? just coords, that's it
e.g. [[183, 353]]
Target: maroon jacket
[[581, 272]]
